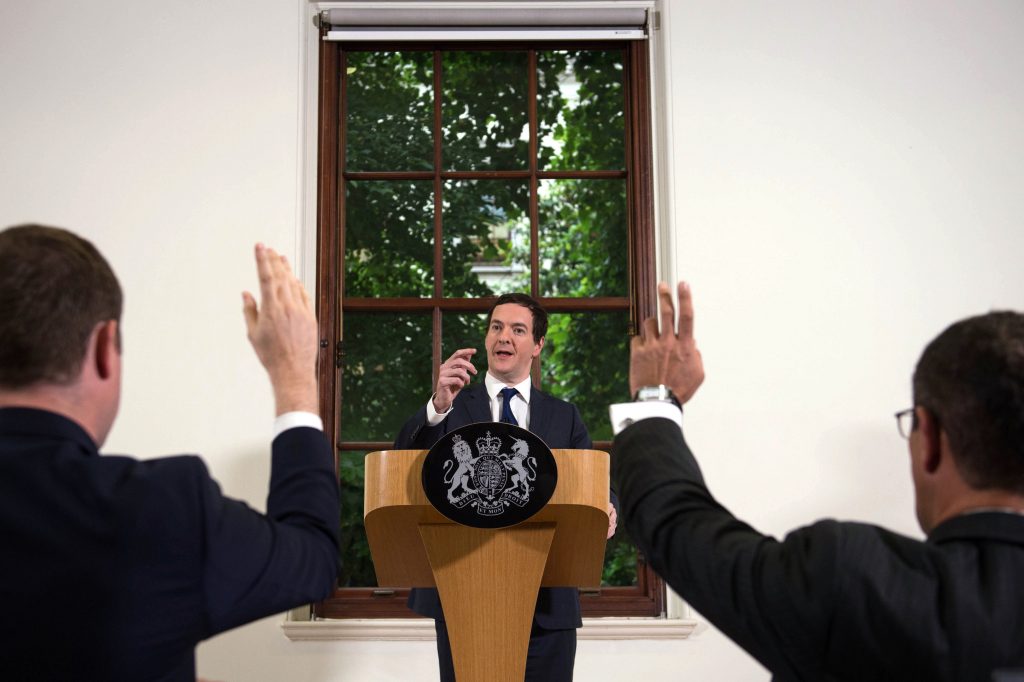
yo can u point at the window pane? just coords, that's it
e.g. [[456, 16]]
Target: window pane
[[484, 110], [586, 361], [486, 237], [386, 375], [620, 556], [389, 238], [580, 105], [465, 330], [583, 241], [388, 102], [356, 564]]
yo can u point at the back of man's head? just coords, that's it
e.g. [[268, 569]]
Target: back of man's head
[[971, 377], [55, 287]]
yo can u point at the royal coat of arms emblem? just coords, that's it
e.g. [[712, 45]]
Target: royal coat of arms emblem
[[489, 475]]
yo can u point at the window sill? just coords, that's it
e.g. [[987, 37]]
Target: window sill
[[417, 629]]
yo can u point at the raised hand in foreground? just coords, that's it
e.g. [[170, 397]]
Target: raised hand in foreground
[[669, 357], [283, 332]]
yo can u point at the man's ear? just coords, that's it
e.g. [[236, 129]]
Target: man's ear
[[931, 437], [108, 349], [538, 347]]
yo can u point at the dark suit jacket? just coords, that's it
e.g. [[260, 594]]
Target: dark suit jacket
[[115, 568], [831, 601], [558, 424]]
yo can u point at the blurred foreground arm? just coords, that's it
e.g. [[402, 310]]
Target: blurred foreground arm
[[763, 594]]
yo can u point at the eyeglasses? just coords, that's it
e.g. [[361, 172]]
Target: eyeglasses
[[906, 421]]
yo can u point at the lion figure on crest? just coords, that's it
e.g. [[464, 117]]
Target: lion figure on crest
[[464, 472]]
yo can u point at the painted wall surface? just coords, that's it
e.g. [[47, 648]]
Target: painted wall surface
[[842, 180]]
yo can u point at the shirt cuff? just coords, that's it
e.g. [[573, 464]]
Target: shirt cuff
[[433, 416], [291, 420], [624, 414]]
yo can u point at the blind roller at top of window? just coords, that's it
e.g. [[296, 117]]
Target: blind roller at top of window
[[477, 23]]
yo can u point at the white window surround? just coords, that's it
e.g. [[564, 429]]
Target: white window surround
[[297, 626]]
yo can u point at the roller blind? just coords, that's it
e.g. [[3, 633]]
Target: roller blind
[[476, 23]]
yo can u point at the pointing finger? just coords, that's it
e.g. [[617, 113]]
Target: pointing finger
[[465, 353]]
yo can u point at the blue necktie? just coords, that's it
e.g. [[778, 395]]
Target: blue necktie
[[506, 406]]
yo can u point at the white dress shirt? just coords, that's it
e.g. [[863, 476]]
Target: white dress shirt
[[520, 402]]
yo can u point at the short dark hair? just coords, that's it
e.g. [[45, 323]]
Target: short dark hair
[[55, 287], [971, 377], [540, 316]]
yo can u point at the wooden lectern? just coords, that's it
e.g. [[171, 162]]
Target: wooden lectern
[[487, 578]]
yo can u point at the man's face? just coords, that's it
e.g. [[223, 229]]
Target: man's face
[[509, 342]]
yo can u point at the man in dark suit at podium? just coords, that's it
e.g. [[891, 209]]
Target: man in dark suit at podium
[[116, 568], [515, 336], [849, 601]]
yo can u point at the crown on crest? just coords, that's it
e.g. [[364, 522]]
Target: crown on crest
[[488, 445]]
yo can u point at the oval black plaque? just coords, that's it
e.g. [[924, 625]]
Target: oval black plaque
[[489, 475]]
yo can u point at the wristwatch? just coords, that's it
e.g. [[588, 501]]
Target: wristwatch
[[660, 393]]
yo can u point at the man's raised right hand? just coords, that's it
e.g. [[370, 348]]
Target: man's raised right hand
[[453, 375]]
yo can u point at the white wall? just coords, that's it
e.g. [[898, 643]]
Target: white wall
[[845, 181]]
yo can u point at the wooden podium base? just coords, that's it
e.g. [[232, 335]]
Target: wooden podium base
[[488, 581]]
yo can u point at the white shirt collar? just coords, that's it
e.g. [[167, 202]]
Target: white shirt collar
[[495, 385]]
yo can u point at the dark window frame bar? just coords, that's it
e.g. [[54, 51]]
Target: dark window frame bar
[[647, 597]]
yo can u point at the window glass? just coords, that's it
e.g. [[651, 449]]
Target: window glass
[[586, 362], [486, 229], [580, 110], [389, 111], [583, 249], [356, 564], [389, 238], [484, 110], [465, 330], [386, 375]]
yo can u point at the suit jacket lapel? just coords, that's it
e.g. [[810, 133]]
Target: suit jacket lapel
[[477, 405], [540, 418]]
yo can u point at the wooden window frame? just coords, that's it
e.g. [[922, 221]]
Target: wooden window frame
[[647, 597]]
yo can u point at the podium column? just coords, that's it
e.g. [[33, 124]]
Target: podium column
[[488, 582]]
